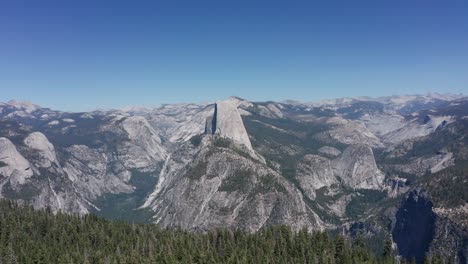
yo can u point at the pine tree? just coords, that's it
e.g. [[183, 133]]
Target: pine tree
[[339, 249], [387, 257], [427, 260]]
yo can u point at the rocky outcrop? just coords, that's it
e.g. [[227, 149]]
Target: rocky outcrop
[[213, 186], [182, 123], [39, 182], [270, 110], [227, 122], [349, 132], [145, 146], [93, 174], [39, 143], [381, 124], [433, 163], [13, 166], [313, 173], [357, 169], [417, 128]]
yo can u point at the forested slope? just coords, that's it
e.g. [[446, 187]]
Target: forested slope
[[30, 236]]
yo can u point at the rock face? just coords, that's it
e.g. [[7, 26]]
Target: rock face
[[88, 169], [350, 132], [36, 141], [143, 140], [227, 122], [213, 186], [414, 227], [14, 167], [357, 169], [381, 124], [38, 177], [183, 123], [417, 128], [432, 163], [315, 172]]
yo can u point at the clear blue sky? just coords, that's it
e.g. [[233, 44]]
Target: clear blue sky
[[81, 55]]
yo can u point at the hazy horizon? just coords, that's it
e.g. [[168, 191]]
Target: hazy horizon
[[128, 106]]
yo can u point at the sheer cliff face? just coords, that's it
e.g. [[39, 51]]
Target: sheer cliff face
[[227, 122], [236, 163]]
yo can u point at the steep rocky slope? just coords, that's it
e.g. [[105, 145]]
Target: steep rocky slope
[[213, 186]]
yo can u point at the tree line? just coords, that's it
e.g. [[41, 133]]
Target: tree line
[[39, 236]]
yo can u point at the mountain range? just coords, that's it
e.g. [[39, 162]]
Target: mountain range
[[391, 166]]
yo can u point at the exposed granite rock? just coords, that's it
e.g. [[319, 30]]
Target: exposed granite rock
[[15, 167], [349, 132], [313, 173], [46, 155], [357, 169], [227, 122], [214, 187], [421, 165]]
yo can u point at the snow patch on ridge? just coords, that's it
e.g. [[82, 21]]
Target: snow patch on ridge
[[53, 123]]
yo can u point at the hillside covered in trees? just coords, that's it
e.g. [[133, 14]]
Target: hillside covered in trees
[[31, 236]]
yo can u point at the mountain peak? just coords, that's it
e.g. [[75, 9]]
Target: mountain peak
[[25, 105], [236, 102], [227, 121]]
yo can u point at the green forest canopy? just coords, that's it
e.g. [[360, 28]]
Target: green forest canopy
[[39, 236]]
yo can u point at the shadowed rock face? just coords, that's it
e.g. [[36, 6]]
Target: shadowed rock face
[[213, 122], [414, 228]]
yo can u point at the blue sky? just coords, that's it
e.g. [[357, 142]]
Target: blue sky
[[81, 55]]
